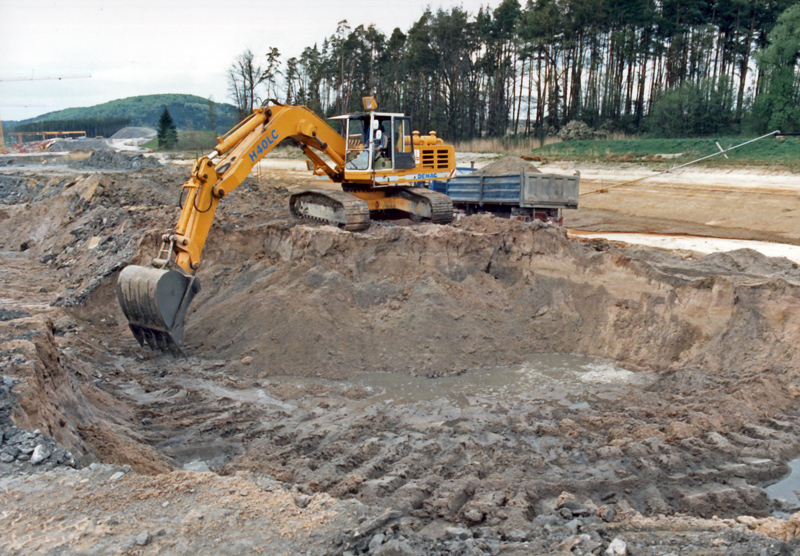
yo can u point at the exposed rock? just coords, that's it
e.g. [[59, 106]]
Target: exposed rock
[[143, 538], [40, 453], [577, 130], [108, 159], [617, 547], [396, 548]]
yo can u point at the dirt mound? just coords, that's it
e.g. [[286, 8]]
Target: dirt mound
[[428, 313], [135, 133], [113, 160], [748, 262], [742, 263], [508, 165]]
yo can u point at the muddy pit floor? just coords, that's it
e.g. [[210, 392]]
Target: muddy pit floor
[[355, 392]]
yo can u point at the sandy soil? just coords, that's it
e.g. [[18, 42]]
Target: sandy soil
[[701, 245], [692, 177], [748, 204], [270, 400], [737, 204]]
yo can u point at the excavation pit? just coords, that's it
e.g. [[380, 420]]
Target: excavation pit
[[409, 368]]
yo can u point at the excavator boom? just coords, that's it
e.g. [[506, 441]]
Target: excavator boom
[[156, 296]]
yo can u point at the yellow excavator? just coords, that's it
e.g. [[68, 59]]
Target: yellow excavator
[[378, 161]]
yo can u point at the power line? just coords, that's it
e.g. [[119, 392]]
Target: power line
[[45, 77], [722, 151]]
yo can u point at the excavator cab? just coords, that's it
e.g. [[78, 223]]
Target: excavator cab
[[377, 142]]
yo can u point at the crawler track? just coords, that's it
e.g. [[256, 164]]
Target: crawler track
[[441, 205], [331, 207]]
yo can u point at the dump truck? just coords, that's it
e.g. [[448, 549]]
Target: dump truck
[[527, 195]]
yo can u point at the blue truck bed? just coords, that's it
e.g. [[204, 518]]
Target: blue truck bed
[[525, 195]]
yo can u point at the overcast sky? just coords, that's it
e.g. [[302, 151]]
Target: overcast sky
[[166, 46]]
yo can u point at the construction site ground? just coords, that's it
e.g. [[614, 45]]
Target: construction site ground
[[484, 387]]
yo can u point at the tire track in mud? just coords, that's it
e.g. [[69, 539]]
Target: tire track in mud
[[468, 469]]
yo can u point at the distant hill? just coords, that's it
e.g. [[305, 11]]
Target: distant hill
[[188, 112]]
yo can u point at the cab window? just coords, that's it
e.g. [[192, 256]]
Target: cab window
[[402, 136], [403, 147], [357, 156]]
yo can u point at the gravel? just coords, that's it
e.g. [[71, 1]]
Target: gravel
[[112, 160], [23, 451]]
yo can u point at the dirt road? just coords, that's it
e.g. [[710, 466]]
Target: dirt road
[[682, 402], [737, 204]]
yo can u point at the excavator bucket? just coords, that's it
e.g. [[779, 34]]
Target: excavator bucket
[[154, 301]]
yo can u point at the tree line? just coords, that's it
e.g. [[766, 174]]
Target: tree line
[[668, 67], [94, 127]]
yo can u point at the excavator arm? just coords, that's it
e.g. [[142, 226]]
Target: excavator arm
[[155, 297], [238, 152]]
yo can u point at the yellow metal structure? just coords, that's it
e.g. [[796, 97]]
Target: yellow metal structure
[[378, 167], [369, 104], [22, 136]]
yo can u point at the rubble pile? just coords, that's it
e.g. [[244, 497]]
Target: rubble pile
[[114, 160], [24, 451], [29, 147], [82, 144]]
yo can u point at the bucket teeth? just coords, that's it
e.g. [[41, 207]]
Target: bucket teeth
[[154, 302]]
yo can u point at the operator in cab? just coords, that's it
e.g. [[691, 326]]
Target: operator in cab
[[383, 147]]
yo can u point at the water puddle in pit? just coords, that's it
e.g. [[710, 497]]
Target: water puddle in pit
[[786, 490], [542, 377], [570, 379]]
